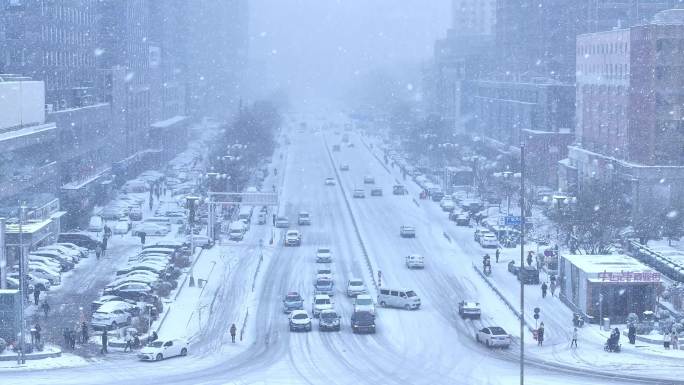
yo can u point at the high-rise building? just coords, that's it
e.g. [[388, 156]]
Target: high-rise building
[[473, 17], [51, 41], [630, 130]]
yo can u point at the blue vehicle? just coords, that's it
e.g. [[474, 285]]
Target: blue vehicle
[[324, 286], [293, 301]]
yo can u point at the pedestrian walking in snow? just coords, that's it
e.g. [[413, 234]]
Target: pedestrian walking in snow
[[36, 295], [666, 340], [233, 330], [72, 338], [46, 308], [151, 198], [496, 255], [540, 335], [574, 339], [529, 258], [274, 220], [84, 332], [544, 287], [631, 334], [129, 342], [98, 251], [142, 237], [553, 288], [67, 342], [38, 329], [105, 341], [674, 341]]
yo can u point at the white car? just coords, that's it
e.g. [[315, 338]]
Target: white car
[[447, 204], [364, 302], [407, 231], [356, 287], [489, 240], [150, 229], [329, 181], [293, 238], [202, 241], [368, 179], [121, 227], [323, 255], [324, 273], [299, 320], [320, 302], [359, 193], [493, 336], [40, 271], [415, 261], [113, 314], [161, 349], [75, 254], [45, 261], [469, 309], [83, 252]]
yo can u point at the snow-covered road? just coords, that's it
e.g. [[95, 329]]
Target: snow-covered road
[[429, 346]]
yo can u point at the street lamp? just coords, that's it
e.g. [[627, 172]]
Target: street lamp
[[190, 202], [507, 177]]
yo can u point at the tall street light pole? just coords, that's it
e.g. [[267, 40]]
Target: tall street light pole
[[522, 263], [21, 359]]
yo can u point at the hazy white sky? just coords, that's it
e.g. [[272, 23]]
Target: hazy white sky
[[321, 45]]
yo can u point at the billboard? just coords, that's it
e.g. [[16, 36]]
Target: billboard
[[22, 103]]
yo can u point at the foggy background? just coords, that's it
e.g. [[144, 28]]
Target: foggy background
[[322, 48]]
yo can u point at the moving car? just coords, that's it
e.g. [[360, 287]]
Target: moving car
[[282, 223], [324, 273], [112, 314], [324, 286], [328, 320], [493, 336], [359, 193], [462, 219], [293, 238], [376, 192], [344, 167], [398, 189], [368, 179], [149, 229], [323, 255], [320, 302], [362, 322], [299, 320], [400, 298], [469, 309], [364, 302], [355, 286], [236, 231], [407, 231], [336, 147], [161, 349], [415, 261], [489, 240], [329, 181], [202, 241], [303, 218], [447, 204], [293, 301]]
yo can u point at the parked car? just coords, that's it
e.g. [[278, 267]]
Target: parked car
[[320, 302], [489, 240], [415, 261], [32, 280], [111, 315], [292, 301], [447, 204], [304, 218], [344, 167], [362, 322], [469, 309], [130, 290], [364, 302], [323, 255], [493, 336], [299, 320], [368, 179], [121, 227], [40, 271], [329, 320], [355, 286], [66, 261], [135, 214], [201, 241], [293, 238], [401, 298], [162, 349], [95, 305], [407, 231], [82, 251], [398, 189], [96, 224], [48, 262], [329, 181], [376, 192], [79, 239], [359, 193]]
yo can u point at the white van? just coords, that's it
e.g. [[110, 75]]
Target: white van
[[415, 261], [245, 214], [401, 298], [96, 224], [236, 231]]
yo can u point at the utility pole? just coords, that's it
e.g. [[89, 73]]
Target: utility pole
[[21, 359], [522, 263], [3, 256]]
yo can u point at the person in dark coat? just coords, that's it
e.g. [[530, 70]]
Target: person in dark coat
[[46, 308], [37, 328], [153, 337], [631, 334], [497, 254], [233, 330], [105, 240], [540, 335], [98, 251], [529, 258], [274, 219], [36, 295], [72, 338], [84, 332], [67, 341], [105, 340], [544, 287]]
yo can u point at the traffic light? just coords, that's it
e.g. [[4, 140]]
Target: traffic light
[[536, 313]]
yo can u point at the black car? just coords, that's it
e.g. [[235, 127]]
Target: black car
[[363, 322], [329, 320], [399, 190], [79, 239]]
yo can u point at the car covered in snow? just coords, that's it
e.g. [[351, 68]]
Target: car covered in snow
[[304, 218], [324, 286], [161, 349], [293, 238], [329, 181], [320, 302], [493, 336], [488, 240], [299, 320], [355, 286], [447, 204], [344, 167], [292, 301], [324, 273], [130, 290], [398, 189], [407, 231], [282, 222], [364, 302], [368, 179], [121, 227], [376, 192], [469, 309], [323, 255], [113, 314], [359, 193], [150, 229], [415, 261], [329, 320]]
